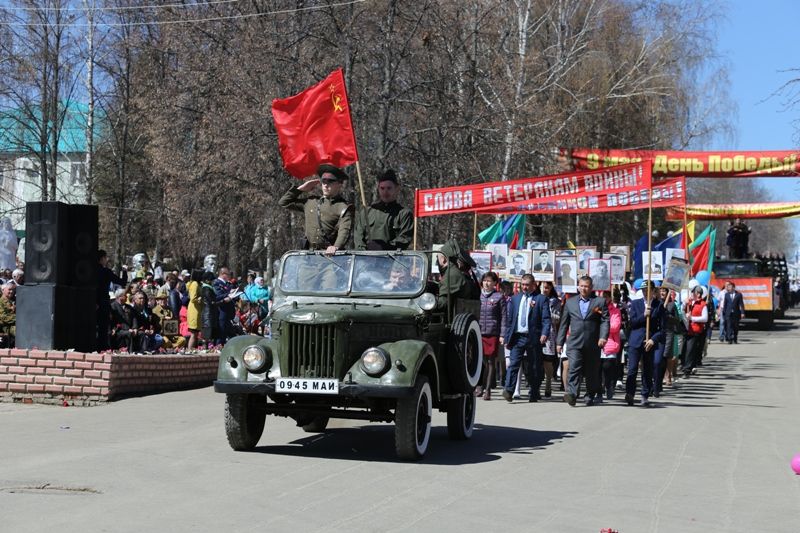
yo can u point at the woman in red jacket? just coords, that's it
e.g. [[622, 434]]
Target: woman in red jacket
[[696, 313], [611, 350]]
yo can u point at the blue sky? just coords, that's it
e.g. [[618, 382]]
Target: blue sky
[[759, 43], [757, 39]]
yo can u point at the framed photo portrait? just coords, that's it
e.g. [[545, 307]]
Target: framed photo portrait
[[619, 249], [678, 274], [566, 274], [499, 257], [585, 253], [519, 263], [483, 262], [543, 268], [566, 251], [669, 253], [654, 272], [619, 263], [600, 272]]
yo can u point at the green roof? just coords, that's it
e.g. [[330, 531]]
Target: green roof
[[19, 134]]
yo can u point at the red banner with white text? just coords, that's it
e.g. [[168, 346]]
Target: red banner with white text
[[622, 185], [775, 163], [666, 193]]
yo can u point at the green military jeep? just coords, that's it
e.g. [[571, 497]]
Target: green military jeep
[[356, 335]]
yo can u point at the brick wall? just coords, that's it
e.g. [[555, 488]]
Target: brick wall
[[91, 378]]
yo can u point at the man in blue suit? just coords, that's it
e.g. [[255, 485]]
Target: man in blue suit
[[526, 329], [641, 348]]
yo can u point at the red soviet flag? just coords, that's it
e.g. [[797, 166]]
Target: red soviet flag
[[315, 127]]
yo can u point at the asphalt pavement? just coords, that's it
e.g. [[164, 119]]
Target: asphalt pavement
[[712, 455]]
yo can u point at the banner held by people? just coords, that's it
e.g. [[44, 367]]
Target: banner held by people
[[774, 163], [622, 185], [669, 192]]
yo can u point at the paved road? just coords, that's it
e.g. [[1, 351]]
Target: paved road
[[712, 456]]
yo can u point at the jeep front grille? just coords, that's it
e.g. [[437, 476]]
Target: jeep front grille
[[311, 350]]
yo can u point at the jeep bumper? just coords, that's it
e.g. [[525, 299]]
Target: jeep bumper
[[347, 390]]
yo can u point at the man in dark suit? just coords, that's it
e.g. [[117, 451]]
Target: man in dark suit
[[586, 319], [640, 347], [526, 329], [732, 311]]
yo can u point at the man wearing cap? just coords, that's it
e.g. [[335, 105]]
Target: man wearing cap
[[328, 218], [640, 346], [385, 225]]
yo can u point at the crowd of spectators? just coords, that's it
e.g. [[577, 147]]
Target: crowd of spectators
[[180, 311]]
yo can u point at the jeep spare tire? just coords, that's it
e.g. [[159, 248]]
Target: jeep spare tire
[[465, 357]]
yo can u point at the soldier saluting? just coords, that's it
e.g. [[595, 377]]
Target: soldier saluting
[[328, 218], [385, 225]]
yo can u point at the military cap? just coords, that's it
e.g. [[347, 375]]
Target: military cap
[[336, 171], [452, 250], [388, 175]]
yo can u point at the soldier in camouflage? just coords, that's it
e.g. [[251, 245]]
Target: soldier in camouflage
[[385, 225], [8, 316], [328, 218]]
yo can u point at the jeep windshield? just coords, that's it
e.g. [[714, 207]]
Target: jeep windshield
[[384, 274]]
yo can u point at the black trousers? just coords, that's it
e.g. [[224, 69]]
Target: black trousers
[[732, 327]]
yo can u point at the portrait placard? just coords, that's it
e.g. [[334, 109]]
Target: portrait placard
[[584, 254], [169, 327], [654, 272], [678, 273], [499, 257], [520, 263], [483, 262], [566, 278], [543, 265], [600, 272], [620, 249], [618, 265]]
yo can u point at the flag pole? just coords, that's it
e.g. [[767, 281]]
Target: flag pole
[[361, 184], [649, 257], [685, 228], [475, 231], [416, 192]]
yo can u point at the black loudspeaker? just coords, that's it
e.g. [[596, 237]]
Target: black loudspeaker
[[61, 244], [56, 317]]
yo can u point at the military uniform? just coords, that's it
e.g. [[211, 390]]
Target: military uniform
[[8, 322], [390, 226], [455, 282], [328, 221]]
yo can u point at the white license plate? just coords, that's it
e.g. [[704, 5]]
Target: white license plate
[[307, 386]]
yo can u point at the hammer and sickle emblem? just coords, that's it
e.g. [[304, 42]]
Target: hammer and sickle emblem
[[336, 99]]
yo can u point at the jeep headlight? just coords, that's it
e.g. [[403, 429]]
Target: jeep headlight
[[256, 358], [426, 301], [374, 361]]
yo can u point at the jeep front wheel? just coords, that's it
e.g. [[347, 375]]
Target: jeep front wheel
[[245, 415], [461, 417], [412, 424]]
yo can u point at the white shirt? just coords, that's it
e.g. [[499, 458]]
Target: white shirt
[[523, 313]]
